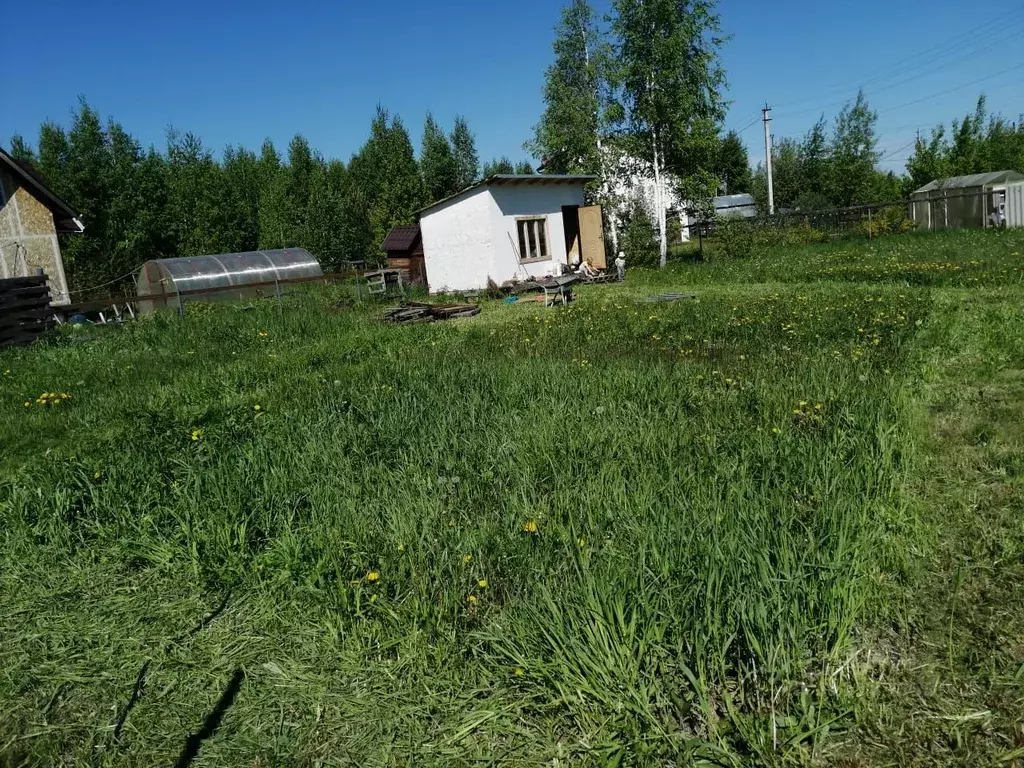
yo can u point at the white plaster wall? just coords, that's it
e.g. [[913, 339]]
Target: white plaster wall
[[529, 200], [458, 246], [466, 240]]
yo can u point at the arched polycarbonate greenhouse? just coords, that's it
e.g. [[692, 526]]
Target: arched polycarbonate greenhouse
[[171, 282]]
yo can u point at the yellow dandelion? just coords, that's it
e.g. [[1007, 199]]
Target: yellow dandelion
[[776, 431], [401, 547], [373, 576], [257, 408], [471, 598], [530, 526], [519, 672], [482, 583], [28, 403], [467, 559], [197, 434], [581, 542], [96, 475]]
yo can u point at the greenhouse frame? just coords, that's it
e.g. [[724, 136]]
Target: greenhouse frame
[[171, 282]]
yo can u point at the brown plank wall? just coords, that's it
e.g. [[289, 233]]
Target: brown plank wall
[[24, 309]]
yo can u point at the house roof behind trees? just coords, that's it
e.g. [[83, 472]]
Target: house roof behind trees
[[972, 180], [64, 216]]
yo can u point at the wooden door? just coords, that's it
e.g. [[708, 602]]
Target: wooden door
[[592, 236]]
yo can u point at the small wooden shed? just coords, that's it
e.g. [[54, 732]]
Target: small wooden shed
[[404, 247]]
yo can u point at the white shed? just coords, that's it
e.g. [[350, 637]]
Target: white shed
[[509, 227]]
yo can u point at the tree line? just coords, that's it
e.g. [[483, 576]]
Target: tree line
[[139, 204], [636, 94], [639, 93], [978, 143], [830, 170]]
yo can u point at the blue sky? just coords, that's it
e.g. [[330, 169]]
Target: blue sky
[[236, 72]]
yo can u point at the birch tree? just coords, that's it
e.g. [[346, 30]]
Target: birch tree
[[574, 134], [670, 77]]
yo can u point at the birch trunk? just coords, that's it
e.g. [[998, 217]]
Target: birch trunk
[[659, 203]]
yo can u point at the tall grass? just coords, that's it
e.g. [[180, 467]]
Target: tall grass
[[637, 531]]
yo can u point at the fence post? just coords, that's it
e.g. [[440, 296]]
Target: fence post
[[870, 235]]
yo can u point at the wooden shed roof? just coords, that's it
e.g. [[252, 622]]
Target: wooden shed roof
[[401, 238]]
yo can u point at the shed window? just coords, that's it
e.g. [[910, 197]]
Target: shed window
[[533, 239]]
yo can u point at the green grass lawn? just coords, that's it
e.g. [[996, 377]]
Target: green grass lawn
[[779, 524]]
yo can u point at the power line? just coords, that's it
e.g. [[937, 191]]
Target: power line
[[749, 125], [951, 90], [922, 58], [896, 151], [911, 78]]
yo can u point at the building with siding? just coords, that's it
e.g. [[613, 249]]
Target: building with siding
[[31, 217]]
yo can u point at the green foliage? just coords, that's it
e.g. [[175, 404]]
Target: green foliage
[[387, 175], [437, 162], [733, 166], [242, 185], [853, 155], [888, 221], [355, 512], [464, 150], [500, 166], [324, 218], [576, 94], [735, 238], [821, 171], [979, 143], [638, 238], [195, 197], [670, 81], [20, 150], [142, 204]]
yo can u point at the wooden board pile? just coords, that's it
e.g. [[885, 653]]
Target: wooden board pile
[[24, 309], [421, 312]]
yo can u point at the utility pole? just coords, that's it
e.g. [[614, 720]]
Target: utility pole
[[767, 118]]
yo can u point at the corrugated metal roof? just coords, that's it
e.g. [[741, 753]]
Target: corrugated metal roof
[[972, 180], [734, 201], [516, 179], [401, 238]]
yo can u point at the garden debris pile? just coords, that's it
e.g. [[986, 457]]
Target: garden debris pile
[[421, 312]]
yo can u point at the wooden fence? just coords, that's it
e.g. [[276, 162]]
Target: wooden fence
[[24, 309]]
